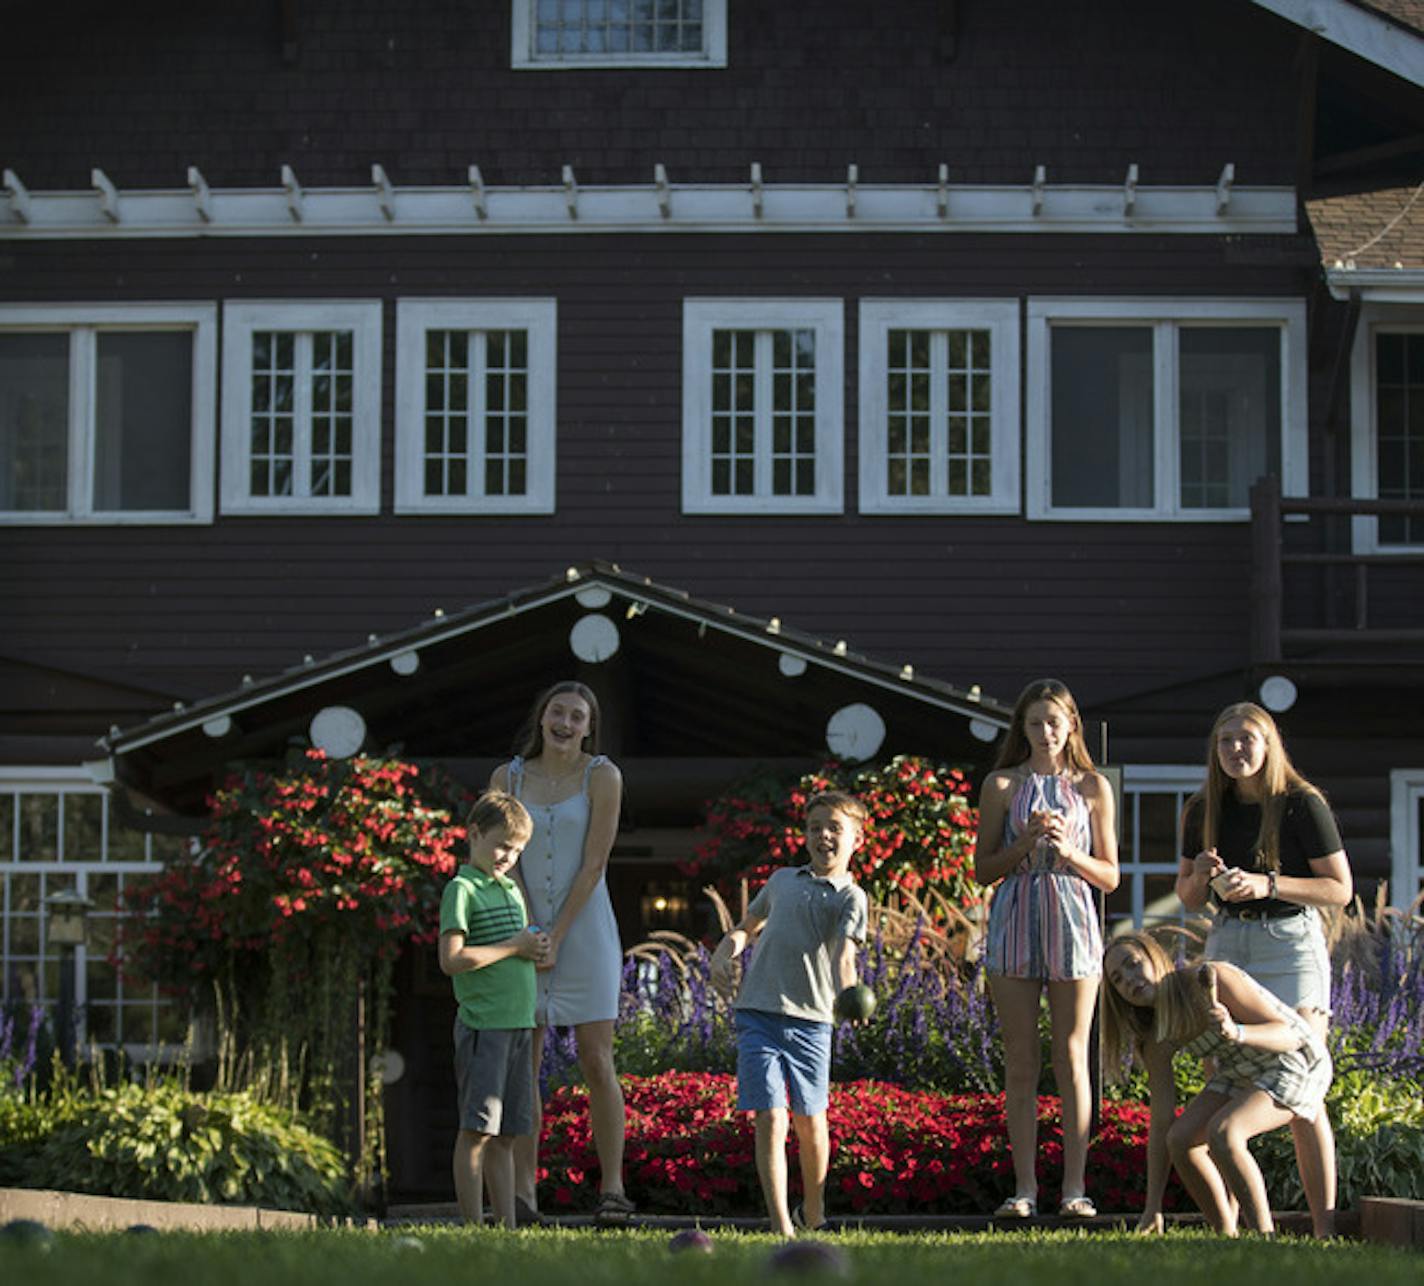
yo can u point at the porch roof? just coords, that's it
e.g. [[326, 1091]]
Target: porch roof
[[685, 677]]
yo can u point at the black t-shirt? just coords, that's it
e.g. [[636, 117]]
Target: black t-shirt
[[1308, 833]]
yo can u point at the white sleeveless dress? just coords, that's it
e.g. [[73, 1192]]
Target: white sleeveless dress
[[583, 985]]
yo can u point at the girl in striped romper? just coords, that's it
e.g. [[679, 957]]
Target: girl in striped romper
[[1268, 1067], [1046, 831]]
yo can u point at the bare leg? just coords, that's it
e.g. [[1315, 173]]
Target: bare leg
[[526, 1146], [1315, 1152], [1017, 1002], [814, 1137], [605, 1101], [469, 1150], [1070, 1009], [771, 1167], [1227, 1136], [499, 1178], [1186, 1141]]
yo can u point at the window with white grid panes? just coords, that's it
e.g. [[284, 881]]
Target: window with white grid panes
[[1153, 797], [939, 406], [58, 832], [1406, 837], [301, 422], [106, 413], [618, 33], [1399, 430], [761, 407], [301, 404], [475, 405]]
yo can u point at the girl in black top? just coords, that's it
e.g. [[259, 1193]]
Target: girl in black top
[[1261, 842]]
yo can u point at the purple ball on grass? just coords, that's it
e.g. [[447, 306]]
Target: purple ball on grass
[[691, 1239]]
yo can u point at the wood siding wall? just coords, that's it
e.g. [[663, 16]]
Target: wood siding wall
[[425, 88]]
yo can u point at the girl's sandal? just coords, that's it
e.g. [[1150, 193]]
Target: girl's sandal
[[1077, 1208], [1017, 1208], [613, 1207]]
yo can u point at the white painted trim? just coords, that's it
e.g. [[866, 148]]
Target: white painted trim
[[522, 56], [1163, 776], [691, 207], [360, 316], [539, 319], [1163, 314], [1364, 438], [826, 318], [998, 316], [48, 777], [1371, 37], [82, 321], [1377, 285], [1406, 788], [1184, 779]]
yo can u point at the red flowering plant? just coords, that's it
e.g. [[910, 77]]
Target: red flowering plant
[[893, 1151], [306, 885], [918, 840]]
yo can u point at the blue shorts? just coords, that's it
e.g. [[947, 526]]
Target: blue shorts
[[777, 1054]]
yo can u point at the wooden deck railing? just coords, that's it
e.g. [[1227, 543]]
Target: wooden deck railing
[[1346, 578]]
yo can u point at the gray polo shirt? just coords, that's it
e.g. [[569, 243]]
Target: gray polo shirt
[[791, 966]]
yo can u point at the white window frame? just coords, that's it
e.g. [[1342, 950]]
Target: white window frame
[[998, 316], [1406, 789], [66, 780], [1137, 779], [1161, 315], [82, 322], [826, 318], [524, 57], [240, 321], [1364, 430], [539, 319]]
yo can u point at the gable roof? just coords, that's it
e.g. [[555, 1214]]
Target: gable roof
[[1388, 33], [691, 678]]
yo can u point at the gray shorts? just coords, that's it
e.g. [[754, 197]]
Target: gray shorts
[[1287, 956], [494, 1079]]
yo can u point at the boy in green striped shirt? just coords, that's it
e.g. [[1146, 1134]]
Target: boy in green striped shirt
[[489, 950]]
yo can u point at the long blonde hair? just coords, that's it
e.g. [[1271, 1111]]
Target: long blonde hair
[[1278, 778], [1016, 748], [1174, 1017]]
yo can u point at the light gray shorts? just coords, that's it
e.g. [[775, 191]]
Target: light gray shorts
[[494, 1079], [1287, 956]]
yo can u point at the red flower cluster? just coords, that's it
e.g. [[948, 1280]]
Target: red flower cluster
[[920, 834], [893, 1151], [353, 847]]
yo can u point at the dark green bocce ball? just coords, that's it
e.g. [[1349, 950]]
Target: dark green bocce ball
[[27, 1232], [809, 1258], [855, 1004]]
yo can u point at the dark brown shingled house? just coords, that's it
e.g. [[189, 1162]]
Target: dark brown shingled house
[[967, 341]]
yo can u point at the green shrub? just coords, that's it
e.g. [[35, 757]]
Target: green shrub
[[1379, 1143], [165, 1142]]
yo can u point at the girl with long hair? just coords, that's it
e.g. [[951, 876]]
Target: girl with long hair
[[1260, 842], [1047, 836], [573, 794], [1268, 1069]]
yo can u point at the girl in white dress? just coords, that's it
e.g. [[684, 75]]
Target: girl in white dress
[[573, 795]]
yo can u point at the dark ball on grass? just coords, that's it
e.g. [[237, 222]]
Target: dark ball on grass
[[27, 1232], [806, 1257], [855, 1004], [141, 1229], [693, 1239]]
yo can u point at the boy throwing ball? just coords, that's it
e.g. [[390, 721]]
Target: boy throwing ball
[[488, 949], [807, 921]]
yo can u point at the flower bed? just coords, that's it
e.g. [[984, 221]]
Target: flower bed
[[893, 1151]]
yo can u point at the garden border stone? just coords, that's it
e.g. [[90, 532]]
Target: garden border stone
[[80, 1210], [1396, 1221]]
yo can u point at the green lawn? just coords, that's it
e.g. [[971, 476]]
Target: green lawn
[[531, 1258]]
